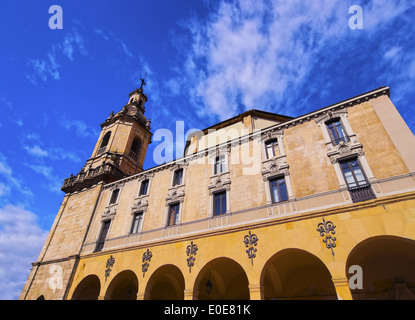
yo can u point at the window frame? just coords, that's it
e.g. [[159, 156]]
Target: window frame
[[348, 161], [113, 201], [103, 234], [222, 206], [335, 136], [175, 181], [140, 191], [220, 164], [136, 228], [272, 145], [271, 180], [177, 215]]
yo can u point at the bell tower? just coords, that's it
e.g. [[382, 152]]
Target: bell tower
[[121, 147]]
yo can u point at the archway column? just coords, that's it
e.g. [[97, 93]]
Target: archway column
[[143, 296], [256, 291], [342, 288], [188, 294]]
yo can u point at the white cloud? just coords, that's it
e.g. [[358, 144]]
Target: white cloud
[[9, 180], [81, 128], [21, 240], [43, 69], [256, 54], [53, 181]]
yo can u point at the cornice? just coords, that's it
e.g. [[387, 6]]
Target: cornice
[[275, 128]]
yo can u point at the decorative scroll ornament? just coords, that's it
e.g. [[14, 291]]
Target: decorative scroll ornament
[[146, 259], [191, 251], [326, 230], [251, 241], [109, 265]]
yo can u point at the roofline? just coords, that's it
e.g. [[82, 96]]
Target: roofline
[[349, 102]]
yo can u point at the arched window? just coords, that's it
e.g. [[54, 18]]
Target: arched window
[[135, 148], [104, 142]]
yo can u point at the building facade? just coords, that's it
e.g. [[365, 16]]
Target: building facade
[[260, 206]]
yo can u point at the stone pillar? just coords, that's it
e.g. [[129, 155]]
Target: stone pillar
[[188, 294], [255, 291], [342, 288], [143, 296]]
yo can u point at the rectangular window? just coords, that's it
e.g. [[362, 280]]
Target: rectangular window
[[359, 187], [114, 196], [219, 203], [178, 177], [144, 188], [103, 235], [278, 190], [174, 210], [137, 221], [353, 174], [219, 164], [337, 132], [272, 148]]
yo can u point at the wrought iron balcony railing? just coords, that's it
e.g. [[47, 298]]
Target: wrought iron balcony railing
[[362, 193]]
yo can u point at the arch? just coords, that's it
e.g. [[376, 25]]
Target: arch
[[124, 286], [105, 140], [135, 148], [387, 264], [166, 283], [88, 289], [227, 278], [296, 274], [41, 297]]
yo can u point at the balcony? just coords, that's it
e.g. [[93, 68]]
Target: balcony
[[106, 172], [133, 155], [361, 193]]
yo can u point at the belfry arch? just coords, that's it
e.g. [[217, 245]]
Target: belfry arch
[[296, 274], [388, 268], [221, 279]]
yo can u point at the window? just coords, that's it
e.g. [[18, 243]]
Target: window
[[144, 188], [178, 177], [135, 148], [278, 189], [173, 218], [104, 142], [353, 174], [219, 164], [103, 235], [114, 196], [272, 148], [137, 221], [219, 203], [337, 132], [359, 187]]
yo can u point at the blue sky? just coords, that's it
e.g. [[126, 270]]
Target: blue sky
[[206, 61]]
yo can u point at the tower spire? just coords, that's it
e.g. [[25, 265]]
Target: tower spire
[[121, 148]]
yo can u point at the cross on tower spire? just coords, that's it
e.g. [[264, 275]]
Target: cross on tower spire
[[143, 81]]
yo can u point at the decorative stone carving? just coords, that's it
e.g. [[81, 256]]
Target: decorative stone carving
[[219, 182], [109, 212], [273, 167], [175, 194]]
